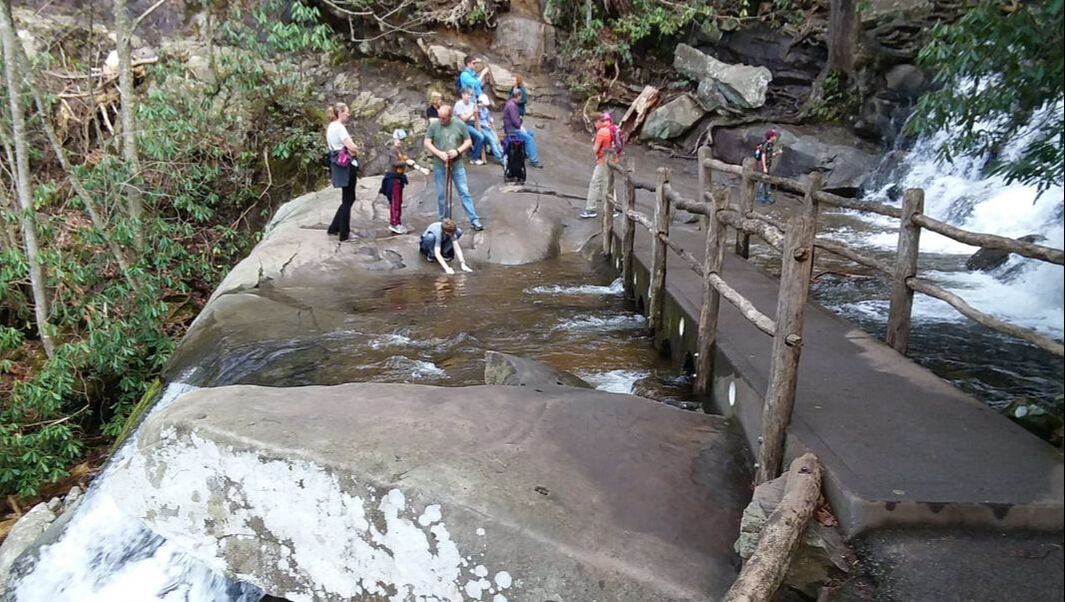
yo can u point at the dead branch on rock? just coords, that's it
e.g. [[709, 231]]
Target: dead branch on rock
[[764, 571]]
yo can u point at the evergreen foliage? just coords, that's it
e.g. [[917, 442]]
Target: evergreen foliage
[[998, 69]]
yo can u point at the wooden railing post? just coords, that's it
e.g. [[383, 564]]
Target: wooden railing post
[[796, 268], [628, 235], [657, 288], [706, 176], [715, 247], [608, 205], [810, 204], [747, 185], [899, 313]]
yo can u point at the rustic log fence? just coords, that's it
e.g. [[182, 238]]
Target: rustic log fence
[[796, 240], [903, 274]]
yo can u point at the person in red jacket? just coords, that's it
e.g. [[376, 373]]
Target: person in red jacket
[[597, 187]]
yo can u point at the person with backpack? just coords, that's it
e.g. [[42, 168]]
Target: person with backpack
[[468, 78], [606, 137], [764, 154], [343, 168], [513, 128]]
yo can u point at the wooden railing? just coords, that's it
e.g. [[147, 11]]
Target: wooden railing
[[795, 240], [903, 274]]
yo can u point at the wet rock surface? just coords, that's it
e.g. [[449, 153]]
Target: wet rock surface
[[500, 477], [507, 369]]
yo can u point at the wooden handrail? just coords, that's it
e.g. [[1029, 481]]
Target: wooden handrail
[[824, 197], [770, 234], [991, 241], [934, 290], [761, 321], [844, 251]]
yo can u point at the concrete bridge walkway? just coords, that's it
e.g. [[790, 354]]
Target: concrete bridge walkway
[[929, 477], [899, 445]]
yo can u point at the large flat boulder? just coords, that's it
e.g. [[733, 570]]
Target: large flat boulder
[[404, 491], [846, 160], [295, 248], [734, 87], [526, 43]]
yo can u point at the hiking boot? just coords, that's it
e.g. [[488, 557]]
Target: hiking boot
[[587, 214]]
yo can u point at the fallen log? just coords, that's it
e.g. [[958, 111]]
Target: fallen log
[[764, 571], [637, 112]]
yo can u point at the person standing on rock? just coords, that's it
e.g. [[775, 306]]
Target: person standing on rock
[[513, 127], [466, 112], [343, 168], [446, 140], [597, 187], [468, 77], [764, 154], [440, 241], [523, 94], [395, 181]]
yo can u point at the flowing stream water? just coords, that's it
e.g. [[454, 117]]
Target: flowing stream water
[[422, 328], [993, 367]]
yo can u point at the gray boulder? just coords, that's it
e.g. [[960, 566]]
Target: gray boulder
[[672, 119], [821, 554], [502, 80], [733, 87], [845, 159], [24, 533], [905, 79], [366, 105], [986, 260], [506, 369], [441, 57], [527, 43]]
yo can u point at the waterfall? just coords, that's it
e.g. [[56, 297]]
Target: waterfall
[[106, 555], [1023, 291]]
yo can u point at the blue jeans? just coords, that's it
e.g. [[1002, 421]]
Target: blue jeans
[[478, 141], [458, 175], [492, 140], [427, 245], [530, 144], [764, 194]]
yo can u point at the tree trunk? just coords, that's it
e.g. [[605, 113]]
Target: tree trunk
[[842, 36], [22, 177], [123, 34]]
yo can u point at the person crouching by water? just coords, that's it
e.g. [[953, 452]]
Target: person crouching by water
[[440, 241], [343, 168]]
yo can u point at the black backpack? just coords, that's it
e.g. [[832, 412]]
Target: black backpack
[[514, 160]]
